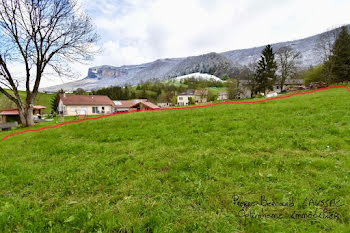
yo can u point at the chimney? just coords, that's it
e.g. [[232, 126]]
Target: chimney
[[64, 95]]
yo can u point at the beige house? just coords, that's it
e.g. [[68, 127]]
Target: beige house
[[290, 83], [73, 105], [222, 95], [184, 98], [129, 105], [199, 96], [245, 91]]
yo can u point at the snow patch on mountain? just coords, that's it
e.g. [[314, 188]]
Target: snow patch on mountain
[[198, 76]]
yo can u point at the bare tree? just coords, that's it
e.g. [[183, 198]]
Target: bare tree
[[43, 35], [324, 50], [248, 78], [288, 61], [232, 88], [324, 45]]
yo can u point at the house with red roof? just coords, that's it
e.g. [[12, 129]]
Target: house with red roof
[[73, 105], [137, 104], [11, 115]]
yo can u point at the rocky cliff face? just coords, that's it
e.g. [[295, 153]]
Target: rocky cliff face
[[163, 69], [212, 63]]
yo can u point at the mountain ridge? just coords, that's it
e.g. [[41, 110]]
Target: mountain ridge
[[163, 69]]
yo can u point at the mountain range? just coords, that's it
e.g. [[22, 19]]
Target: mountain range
[[163, 69]]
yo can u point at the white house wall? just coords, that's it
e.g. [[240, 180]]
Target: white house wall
[[73, 110], [61, 106], [183, 100]]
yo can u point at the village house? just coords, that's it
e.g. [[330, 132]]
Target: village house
[[164, 105], [201, 96], [222, 95], [137, 104], [245, 91], [198, 96], [290, 83], [12, 115], [73, 105], [184, 98]]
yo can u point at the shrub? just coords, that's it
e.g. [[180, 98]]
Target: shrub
[[314, 74]]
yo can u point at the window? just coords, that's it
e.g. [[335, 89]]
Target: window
[[94, 109], [180, 98]]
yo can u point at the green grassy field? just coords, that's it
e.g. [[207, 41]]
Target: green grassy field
[[217, 90], [179, 171], [42, 99]]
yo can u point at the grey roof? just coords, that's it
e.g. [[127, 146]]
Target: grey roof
[[188, 92]]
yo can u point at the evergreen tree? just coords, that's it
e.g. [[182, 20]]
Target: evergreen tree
[[55, 99], [133, 95], [341, 57], [266, 70], [126, 94]]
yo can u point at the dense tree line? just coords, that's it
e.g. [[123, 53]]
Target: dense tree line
[[117, 93], [156, 92], [195, 83], [272, 68], [334, 49]]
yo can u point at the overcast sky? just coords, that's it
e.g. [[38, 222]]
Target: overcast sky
[[138, 31]]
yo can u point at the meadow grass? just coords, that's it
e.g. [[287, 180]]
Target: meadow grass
[[56, 120], [217, 90], [177, 171]]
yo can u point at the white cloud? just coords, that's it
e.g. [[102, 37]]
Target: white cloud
[[113, 53], [137, 31], [167, 28]]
